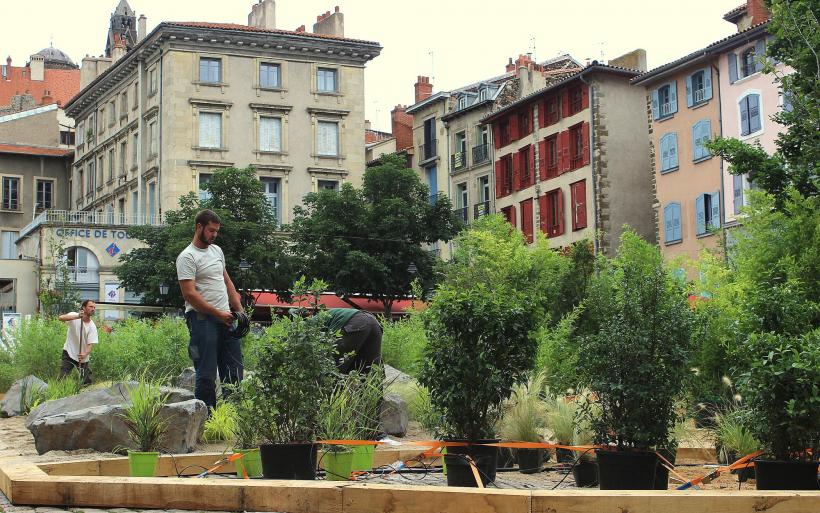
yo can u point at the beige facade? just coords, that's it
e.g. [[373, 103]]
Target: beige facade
[[194, 98]]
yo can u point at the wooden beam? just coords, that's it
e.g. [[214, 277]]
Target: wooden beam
[[373, 498]]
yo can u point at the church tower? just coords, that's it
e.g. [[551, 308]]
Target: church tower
[[123, 30]]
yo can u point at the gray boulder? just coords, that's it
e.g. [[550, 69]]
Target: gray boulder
[[394, 415], [11, 404], [394, 375], [92, 420], [187, 379]]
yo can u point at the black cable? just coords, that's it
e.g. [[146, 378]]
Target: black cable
[[574, 463]]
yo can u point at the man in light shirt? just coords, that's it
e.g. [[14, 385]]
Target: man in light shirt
[[210, 297], [79, 341]]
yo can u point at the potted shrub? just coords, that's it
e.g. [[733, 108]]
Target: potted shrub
[[368, 391], [633, 339], [246, 428], [294, 371], [782, 390], [585, 468], [338, 421], [146, 426], [735, 439], [524, 420], [561, 413]]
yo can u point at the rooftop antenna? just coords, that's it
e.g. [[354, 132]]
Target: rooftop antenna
[[601, 44], [534, 58], [432, 66]]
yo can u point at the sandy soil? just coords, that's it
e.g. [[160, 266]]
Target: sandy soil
[[16, 440]]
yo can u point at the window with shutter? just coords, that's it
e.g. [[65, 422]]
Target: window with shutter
[[553, 111], [713, 219], [731, 58], [432, 183], [270, 187], [701, 134], [672, 223], [578, 197], [698, 87], [327, 138], [526, 219], [750, 121], [135, 150], [667, 101], [552, 155], [737, 189], [700, 214], [707, 208], [576, 143], [509, 214], [210, 130], [554, 213], [669, 152], [270, 134]]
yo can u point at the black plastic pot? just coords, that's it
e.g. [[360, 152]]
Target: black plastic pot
[[289, 461], [585, 474], [459, 472], [564, 456], [786, 475], [743, 474], [661, 472], [529, 460], [506, 458], [622, 470]]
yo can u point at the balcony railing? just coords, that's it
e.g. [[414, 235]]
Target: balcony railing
[[463, 214], [84, 275], [481, 209], [87, 217], [698, 95], [481, 153], [458, 160], [428, 149], [666, 109]]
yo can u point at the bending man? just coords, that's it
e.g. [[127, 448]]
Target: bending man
[[361, 343]]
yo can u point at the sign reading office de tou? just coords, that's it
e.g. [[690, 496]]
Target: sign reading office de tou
[[93, 233]]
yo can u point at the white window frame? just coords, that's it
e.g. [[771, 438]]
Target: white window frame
[[322, 83], [278, 68], [210, 114], [740, 98], [261, 143], [19, 179], [319, 124], [219, 70]]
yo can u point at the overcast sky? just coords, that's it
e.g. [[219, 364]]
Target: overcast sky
[[456, 42]]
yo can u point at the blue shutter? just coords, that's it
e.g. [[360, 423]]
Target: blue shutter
[[714, 205], [700, 135], [760, 52], [707, 83], [696, 150], [656, 113], [732, 67], [700, 214], [754, 112], [689, 100], [744, 116], [772, 60], [673, 151], [737, 186], [673, 97], [671, 222]]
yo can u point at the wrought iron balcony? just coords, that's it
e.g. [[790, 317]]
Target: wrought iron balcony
[[88, 217], [481, 153], [463, 214], [458, 160], [481, 209], [427, 150]]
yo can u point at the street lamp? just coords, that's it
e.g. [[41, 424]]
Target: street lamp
[[412, 269], [163, 291], [244, 267]]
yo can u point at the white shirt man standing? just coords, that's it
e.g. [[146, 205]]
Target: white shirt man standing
[[210, 296], [79, 341]]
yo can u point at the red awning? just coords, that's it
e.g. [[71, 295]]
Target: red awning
[[330, 300]]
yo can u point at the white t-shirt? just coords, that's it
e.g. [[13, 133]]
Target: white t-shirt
[[207, 268], [74, 338]]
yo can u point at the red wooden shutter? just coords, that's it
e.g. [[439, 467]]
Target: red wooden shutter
[[566, 158], [542, 159], [530, 119], [565, 112], [531, 164], [526, 219], [512, 122], [511, 215], [579, 205], [560, 209], [499, 179], [542, 213], [585, 137], [516, 171], [585, 96], [497, 135], [542, 113]]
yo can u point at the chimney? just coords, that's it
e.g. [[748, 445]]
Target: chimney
[[330, 24], [263, 15], [8, 61], [300, 28], [510, 66], [91, 68], [47, 99], [424, 89], [636, 59], [367, 124], [757, 11], [118, 51], [37, 66], [141, 26], [402, 127]]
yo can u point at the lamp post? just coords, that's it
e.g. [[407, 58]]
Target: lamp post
[[163, 292], [244, 267]]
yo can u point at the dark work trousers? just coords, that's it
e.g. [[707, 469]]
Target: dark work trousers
[[213, 349], [67, 365], [361, 343]]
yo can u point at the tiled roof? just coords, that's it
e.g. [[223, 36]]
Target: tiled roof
[[703, 52], [737, 11], [34, 150], [61, 84], [248, 28], [371, 136]]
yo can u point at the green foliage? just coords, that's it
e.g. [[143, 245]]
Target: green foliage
[[294, 371], [524, 416], [153, 348], [782, 389], [633, 337], [732, 433], [247, 425], [222, 424], [57, 293], [361, 241], [560, 417], [558, 354], [339, 415], [39, 347], [59, 388], [403, 344], [248, 230], [146, 427]]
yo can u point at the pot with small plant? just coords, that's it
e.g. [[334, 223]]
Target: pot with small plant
[[560, 416], [246, 428], [735, 440], [633, 342], [368, 391], [585, 467], [523, 420], [782, 392], [146, 426], [338, 421]]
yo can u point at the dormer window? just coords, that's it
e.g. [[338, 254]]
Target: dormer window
[[462, 103], [483, 94]]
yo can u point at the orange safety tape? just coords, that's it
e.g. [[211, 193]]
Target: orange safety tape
[[708, 478], [349, 442]]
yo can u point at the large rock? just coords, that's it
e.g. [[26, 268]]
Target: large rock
[[11, 404], [92, 420], [394, 415], [394, 375]]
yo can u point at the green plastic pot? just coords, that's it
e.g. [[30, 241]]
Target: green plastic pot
[[362, 458], [142, 464], [338, 465], [251, 461]]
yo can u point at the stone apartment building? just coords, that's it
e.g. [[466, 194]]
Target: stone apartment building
[[572, 160]]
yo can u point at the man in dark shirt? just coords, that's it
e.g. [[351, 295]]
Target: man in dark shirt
[[360, 345]]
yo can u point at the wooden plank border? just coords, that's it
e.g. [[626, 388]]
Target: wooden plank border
[[25, 483]]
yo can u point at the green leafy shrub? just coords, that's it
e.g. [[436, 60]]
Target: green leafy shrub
[[65, 387], [557, 353], [733, 435], [247, 426], [403, 344], [39, 347], [221, 425], [633, 337], [524, 416], [146, 427]]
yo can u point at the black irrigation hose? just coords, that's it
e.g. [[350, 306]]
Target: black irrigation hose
[[574, 463]]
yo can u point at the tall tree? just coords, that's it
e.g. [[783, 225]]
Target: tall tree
[[362, 241], [248, 231], [796, 44]]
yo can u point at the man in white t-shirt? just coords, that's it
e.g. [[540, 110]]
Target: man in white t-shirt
[[210, 297], [79, 341]]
